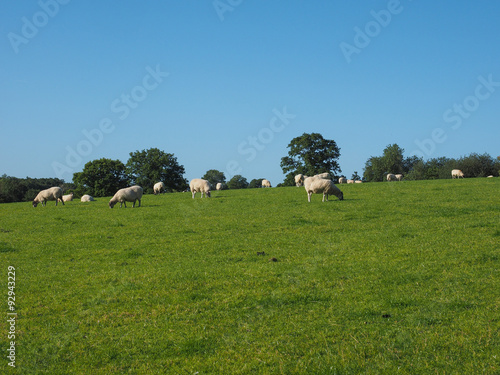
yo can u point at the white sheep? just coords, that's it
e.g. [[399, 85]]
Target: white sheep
[[319, 185], [129, 194], [86, 198], [358, 182], [399, 177], [158, 187], [457, 173], [66, 198], [391, 177], [50, 194], [299, 179], [350, 181], [325, 176], [490, 176], [342, 180], [198, 185], [219, 186], [266, 183]]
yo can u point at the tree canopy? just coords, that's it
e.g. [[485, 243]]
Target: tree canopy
[[101, 178], [214, 176], [237, 182], [310, 154], [147, 167]]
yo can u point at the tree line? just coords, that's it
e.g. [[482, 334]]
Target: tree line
[[308, 154], [414, 168]]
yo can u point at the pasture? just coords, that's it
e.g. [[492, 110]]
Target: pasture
[[399, 278]]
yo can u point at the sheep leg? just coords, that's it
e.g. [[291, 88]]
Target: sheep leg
[[193, 194], [139, 203], [309, 193]]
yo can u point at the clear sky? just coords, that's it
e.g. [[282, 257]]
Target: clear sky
[[228, 84]]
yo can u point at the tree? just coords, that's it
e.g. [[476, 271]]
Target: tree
[[255, 183], [101, 178], [214, 176], [148, 167], [310, 154], [392, 161], [237, 182], [355, 176]]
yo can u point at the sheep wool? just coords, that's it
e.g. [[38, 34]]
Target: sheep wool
[[158, 187], [51, 194], [87, 198], [457, 173], [198, 185], [266, 183], [314, 185], [129, 194]]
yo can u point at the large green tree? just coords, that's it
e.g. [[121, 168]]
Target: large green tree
[[148, 167], [237, 182], [310, 154], [101, 178], [214, 176]]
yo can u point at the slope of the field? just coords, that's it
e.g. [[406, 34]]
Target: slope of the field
[[399, 277]]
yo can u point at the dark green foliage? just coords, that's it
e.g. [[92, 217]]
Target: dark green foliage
[[148, 167], [310, 154], [414, 168], [214, 176], [13, 189], [255, 183], [100, 178], [237, 182]]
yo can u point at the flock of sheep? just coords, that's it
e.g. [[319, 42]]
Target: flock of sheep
[[318, 184]]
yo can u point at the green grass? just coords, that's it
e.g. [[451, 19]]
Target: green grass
[[399, 278]]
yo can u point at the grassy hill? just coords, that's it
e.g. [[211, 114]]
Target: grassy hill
[[399, 278]]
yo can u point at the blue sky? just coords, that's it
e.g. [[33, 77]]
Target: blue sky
[[228, 84]]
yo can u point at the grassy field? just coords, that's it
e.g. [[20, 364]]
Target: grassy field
[[399, 278]]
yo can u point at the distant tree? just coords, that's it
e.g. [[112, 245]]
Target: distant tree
[[374, 169], [310, 154], [392, 161], [237, 182], [148, 167], [475, 165], [355, 176], [255, 183], [13, 189], [214, 176], [101, 178]]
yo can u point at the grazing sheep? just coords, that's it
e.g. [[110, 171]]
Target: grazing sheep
[[457, 173], [218, 186], [199, 185], [51, 194], [129, 194], [358, 182], [391, 177], [319, 185], [399, 177], [266, 183], [66, 198], [325, 176], [299, 179], [490, 176], [158, 188], [342, 180], [350, 181], [87, 198]]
